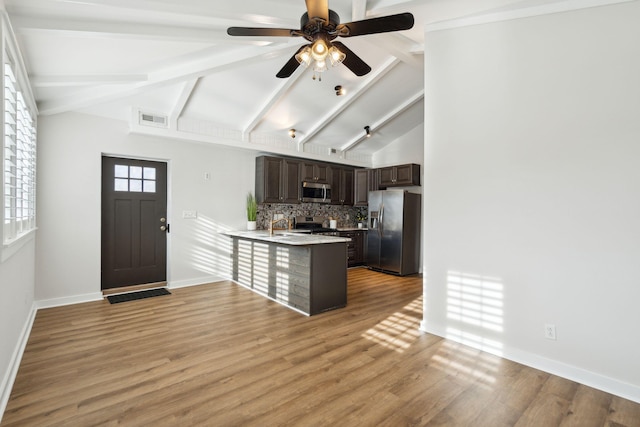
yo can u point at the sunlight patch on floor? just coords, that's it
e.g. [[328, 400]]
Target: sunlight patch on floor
[[399, 330]]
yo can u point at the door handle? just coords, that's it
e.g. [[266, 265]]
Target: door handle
[[164, 228]]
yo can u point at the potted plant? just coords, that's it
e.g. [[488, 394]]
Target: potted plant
[[361, 217], [252, 211]]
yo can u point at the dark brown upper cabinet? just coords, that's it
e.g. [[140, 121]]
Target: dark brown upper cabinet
[[366, 180], [316, 172], [342, 186], [401, 175], [277, 180]]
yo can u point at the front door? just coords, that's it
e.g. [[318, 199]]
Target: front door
[[134, 222]]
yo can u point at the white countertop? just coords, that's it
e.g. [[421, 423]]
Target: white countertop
[[288, 237]]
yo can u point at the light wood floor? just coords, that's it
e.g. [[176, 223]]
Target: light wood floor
[[219, 355]]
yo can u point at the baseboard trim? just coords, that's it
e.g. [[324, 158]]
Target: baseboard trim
[[16, 358], [195, 282], [561, 369], [76, 299]]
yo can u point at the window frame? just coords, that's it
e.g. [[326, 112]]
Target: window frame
[[11, 243]]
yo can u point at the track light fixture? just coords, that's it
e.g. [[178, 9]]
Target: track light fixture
[[367, 129], [292, 133], [339, 90]]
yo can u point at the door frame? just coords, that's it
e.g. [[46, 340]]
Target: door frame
[[169, 210]]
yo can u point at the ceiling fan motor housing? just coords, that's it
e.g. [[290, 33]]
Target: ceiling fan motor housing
[[311, 27]]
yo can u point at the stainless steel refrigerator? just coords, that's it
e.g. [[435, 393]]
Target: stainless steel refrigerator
[[393, 239]]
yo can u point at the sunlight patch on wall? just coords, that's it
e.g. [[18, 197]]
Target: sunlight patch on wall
[[475, 311], [211, 250], [399, 330]]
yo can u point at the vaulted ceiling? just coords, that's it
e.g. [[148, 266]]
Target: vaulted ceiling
[[174, 61]]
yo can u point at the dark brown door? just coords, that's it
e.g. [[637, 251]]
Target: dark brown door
[[134, 222]]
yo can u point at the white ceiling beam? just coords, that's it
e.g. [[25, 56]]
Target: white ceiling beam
[[361, 89], [276, 96], [91, 28], [193, 12], [358, 10], [386, 119], [85, 80], [170, 75], [181, 102]]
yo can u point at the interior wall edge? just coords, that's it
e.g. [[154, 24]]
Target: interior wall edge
[[12, 370]]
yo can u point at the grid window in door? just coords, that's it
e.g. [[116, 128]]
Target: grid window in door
[[135, 179]]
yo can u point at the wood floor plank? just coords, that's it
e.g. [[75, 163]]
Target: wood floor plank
[[218, 354]]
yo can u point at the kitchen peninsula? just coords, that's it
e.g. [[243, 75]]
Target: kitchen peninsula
[[307, 273]]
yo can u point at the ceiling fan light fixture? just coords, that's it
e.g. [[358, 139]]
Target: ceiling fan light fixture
[[319, 50], [336, 56], [320, 66], [304, 57]]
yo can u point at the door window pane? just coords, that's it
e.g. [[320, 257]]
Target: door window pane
[[122, 171], [135, 185], [150, 173], [135, 172], [121, 184], [149, 186]]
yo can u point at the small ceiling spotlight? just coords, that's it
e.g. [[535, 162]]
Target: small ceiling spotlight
[[292, 133], [367, 129], [339, 90]]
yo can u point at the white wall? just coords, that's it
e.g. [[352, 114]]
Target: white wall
[[409, 148], [16, 313], [532, 191], [68, 251]]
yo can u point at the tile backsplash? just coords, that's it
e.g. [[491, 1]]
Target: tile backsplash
[[345, 215]]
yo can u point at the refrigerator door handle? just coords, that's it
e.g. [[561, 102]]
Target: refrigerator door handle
[[381, 220]]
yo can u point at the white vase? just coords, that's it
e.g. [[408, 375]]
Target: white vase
[[251, 225]]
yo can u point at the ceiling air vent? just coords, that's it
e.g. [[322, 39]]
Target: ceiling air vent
[[153, 120]]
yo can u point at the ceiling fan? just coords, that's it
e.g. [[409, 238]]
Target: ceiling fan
[[320, 26]]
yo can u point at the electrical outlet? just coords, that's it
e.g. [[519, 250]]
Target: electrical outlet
[[550, 331]]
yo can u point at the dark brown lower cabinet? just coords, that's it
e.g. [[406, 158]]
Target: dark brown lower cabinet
[[355, 248]]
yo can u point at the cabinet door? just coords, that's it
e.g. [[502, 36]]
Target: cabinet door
[[323, 172], [361, 195], [316, 172], [272, 180], [407, 174], [386, 176], [290, 182], [347, 187], [342, 186], [365, 180], [336, 175]]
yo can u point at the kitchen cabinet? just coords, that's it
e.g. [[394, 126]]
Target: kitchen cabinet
[[355, 248], [342, 186], [365, 180], [401, 175], [277, 180], [316, 172]]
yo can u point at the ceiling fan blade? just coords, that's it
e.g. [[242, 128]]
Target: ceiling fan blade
[[383, 24], [261, 32], [318, 9], [290, 66], [352, 61]]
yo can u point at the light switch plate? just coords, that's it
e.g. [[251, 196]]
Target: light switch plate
[[189, 214]]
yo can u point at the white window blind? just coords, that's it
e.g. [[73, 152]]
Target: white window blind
[[19, 162]]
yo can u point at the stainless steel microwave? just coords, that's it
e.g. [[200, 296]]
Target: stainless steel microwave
[[314, 192]]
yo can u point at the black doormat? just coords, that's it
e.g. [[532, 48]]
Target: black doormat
[[114, 299]]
